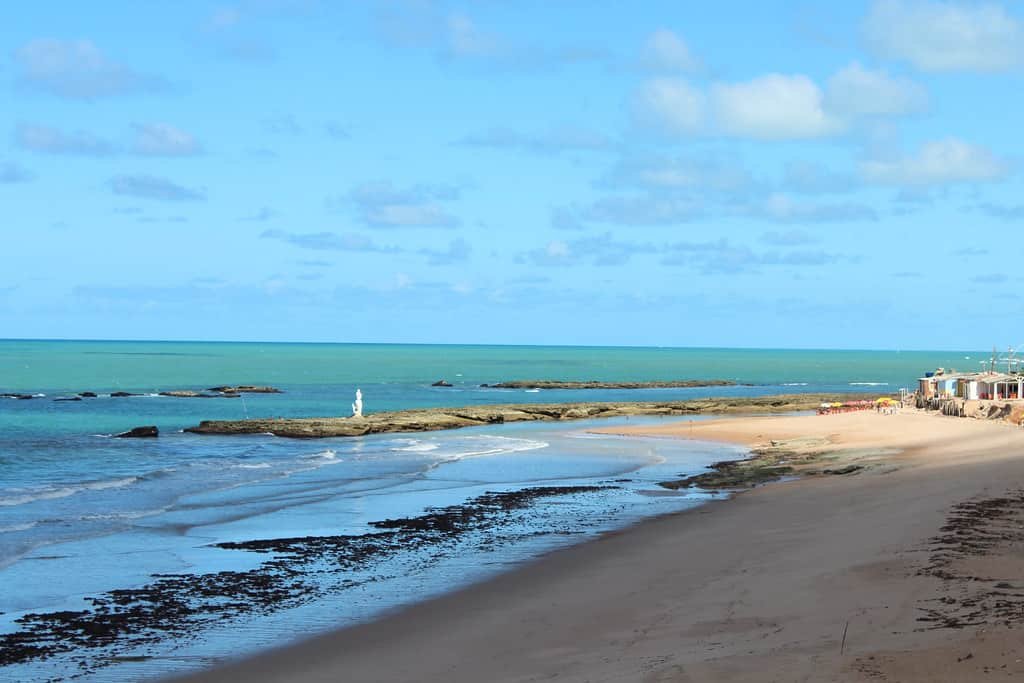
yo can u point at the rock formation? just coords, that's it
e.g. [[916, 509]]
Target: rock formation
[[431, 419], [560, 384], [147, 432], [245, 389]]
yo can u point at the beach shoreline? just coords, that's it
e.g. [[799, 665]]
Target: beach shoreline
[[824, 577]]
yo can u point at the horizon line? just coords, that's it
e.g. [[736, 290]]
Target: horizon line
[[490, 344]]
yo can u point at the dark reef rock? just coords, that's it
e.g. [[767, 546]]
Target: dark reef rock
[[68, 398], [441, 383], [559, 384], [87, 394], [245, 389], [147, 432], [187, 393], [116, 623], [121, 394], [19, 397]]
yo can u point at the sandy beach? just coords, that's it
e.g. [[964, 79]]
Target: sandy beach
[[909, 569]]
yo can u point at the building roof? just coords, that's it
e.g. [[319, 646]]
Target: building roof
[[998, 377], [953, 375]]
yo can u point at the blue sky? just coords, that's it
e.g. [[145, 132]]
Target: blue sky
[[688, 174]]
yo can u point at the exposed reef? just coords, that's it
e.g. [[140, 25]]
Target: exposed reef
[[559, 384], [245, 389], [433, 419], [146, 432], [297, 570]]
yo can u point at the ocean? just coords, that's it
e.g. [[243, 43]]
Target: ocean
[[128, 559]]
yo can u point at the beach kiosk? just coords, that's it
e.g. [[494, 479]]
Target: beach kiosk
[[967, 387], [1000, 387], [945, 385]]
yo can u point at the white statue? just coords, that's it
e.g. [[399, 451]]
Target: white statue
[[357, 407]]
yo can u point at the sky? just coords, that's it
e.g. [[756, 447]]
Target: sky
[[771, 174]]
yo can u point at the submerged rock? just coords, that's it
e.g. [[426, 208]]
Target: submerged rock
[[188, 393], [147, 432], [68, 398]]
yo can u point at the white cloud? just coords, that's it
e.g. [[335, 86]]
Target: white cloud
[[77, 69], [642, 210], [382, 205], [773, 107], [153, 187], [665, 51], [937, 163], [855, 91], [669, 104], [945, 36], [679, 173], [39, 138], [161, 139], [785, 209]]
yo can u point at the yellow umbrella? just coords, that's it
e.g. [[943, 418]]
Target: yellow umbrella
[[884, 399]]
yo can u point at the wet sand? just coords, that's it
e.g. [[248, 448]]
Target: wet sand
[[909, 569]]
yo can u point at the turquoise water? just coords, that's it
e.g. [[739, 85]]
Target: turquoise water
[[143, 366], [82, 513]]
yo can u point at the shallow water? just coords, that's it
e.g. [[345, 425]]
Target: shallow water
[[82, 513], [163, 523]]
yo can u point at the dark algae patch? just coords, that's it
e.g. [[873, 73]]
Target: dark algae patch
[[983, 527], [731, 474], [765, 464], [793, 457], [117, 623]]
